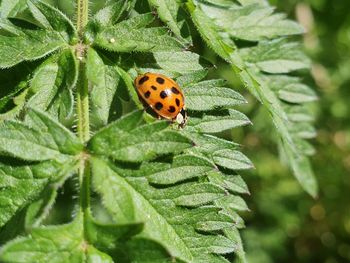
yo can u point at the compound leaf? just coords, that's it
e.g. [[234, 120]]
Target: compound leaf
[[62, 243], [104, 81], [48, 139], [131, 35], [22, 183], [143, 143], [52, 84], [30, 45]]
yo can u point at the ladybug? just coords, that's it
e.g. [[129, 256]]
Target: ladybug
[[163, 95]]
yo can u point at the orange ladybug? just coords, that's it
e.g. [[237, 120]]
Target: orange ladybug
[[163, 95]]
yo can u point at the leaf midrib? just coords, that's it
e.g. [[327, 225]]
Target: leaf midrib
[[156, 211]]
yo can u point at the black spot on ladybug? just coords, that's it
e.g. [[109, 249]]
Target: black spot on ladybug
[[158, 106], [160, 80], [172, 109], [147, 94], [177, 102], [143, 80], [154, 87], [175, 90], [163, 94]]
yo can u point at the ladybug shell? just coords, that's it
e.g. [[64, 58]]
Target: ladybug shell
[[161, 93]]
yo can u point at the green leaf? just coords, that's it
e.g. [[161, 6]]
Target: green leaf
[[107, 236], [18, 187], [18, 104], [30, 45], [119, 241], [290, 89], [209, 218], [110, 13], [303, 130], [104, 80], [238, 221], [304, 147], [17, 92], [302, 170], [39, 210], [215, 244], [9, 8], [279, 117], [234, 202], [297, 93], [143, 210], [219, 123], [136, 144], [209, 32], [130, 35], [138, 21], [183, 168], [52, 85], [21, 183], [68, 246], [144, 250], [233, 183], [202, 97], [209, 143], [8, 27], [231, 159], [52, 19], [93, 255], [299, 113], [191, 78], [234, 236], [45, 137], [277, 56], [168, 11], [13, 228], [253, 22], [115, 197], [165, 222], [130, 86], [193, 195], [171, 64], [178, 61]]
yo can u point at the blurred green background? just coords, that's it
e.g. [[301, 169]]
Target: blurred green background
[[285, 224]]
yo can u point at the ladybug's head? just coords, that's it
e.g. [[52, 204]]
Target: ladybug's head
[[181, 118]]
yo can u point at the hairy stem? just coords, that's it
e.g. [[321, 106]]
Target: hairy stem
[[82, 15], [83, 125]]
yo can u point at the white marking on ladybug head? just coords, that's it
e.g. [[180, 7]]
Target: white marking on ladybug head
[[180, 118]]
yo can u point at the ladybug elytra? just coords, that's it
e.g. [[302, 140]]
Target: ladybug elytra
[[163, 95]]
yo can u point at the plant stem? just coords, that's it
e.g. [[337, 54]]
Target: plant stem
[[83, 125], [82, 15]]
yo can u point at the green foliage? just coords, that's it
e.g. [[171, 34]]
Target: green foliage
[[275, 56], [286, 225], [68, 246], [148, 190], [131, 35], [210, 95]]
